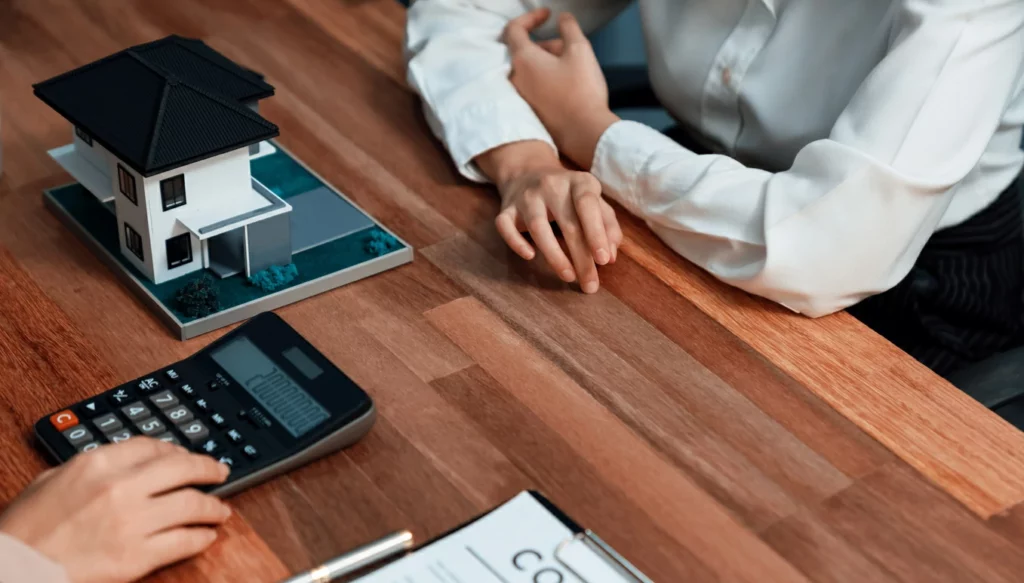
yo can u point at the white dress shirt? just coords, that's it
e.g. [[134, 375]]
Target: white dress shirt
[[849, 131]]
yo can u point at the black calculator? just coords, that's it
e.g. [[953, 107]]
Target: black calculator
[[260, 399]]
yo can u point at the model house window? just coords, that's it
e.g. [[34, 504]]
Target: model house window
[[83, 136], [173, 192], [133, 241], [126, 182], [179, 250]]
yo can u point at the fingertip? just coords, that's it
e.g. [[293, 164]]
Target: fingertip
[[590, 287], [568, 275], [602, 256]]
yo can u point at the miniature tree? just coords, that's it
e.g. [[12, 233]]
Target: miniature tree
[[274, 277], [198, 298], [380, 243]]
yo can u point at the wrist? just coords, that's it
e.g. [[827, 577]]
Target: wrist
[[579, 136], [509, 161]]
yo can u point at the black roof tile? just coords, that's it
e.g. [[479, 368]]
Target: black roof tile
[[162, 105]]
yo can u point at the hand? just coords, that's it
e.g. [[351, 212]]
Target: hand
[[563, 83], [536, 189], [117, 513]]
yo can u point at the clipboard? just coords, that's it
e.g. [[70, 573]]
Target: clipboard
[[573, 554]]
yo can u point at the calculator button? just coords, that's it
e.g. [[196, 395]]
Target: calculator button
[[188, 391], [88, 447], [172, 375], [168, 438], [235, 436], [151, 426], [251, 452], [118, 437], [231, 461], [120, 397], [64, 419], [107, 423], [148, 385], [164, 399], [136, 411], [202, 405], [78, 435], [179, 414], [195, 431], [213, 385], [218, 420], [211, 446], [92, 408]]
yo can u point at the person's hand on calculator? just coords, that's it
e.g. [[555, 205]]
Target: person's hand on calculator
[[120, 512]]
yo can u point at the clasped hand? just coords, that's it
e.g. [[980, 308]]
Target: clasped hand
[[563, 83]]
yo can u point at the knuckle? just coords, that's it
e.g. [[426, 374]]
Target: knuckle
[[113, 492], [90, 465], [552, 182]]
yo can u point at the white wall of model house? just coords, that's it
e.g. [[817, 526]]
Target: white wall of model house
[[94, 154], [208, 183]]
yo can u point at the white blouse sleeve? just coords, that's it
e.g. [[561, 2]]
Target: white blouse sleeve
[[460, 67], [851, 215]]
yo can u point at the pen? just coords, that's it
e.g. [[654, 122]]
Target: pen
[[357, 559]]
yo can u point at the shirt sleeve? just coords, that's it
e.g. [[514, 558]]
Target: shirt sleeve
[[850, 217], [20, 563], [459, 66]]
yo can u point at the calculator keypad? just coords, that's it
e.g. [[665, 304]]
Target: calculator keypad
[[166, 407]]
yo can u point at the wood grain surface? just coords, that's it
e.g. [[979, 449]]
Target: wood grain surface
[[706, 434]]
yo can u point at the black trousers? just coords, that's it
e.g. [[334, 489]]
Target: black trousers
[[963, 301]]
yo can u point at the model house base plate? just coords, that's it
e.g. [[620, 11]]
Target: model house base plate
[[334, 243]]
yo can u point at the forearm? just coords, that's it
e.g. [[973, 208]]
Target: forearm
[[460, 67], [504, 163], [20, 563]]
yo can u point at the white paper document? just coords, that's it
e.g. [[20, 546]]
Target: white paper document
[[515, 543]]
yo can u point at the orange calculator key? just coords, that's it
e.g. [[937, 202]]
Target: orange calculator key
[[64, 419]]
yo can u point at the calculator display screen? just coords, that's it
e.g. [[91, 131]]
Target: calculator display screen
[[272, 387]]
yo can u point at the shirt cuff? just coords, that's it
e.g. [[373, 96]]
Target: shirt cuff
[[628, 158], [484, 127], [20, 563]]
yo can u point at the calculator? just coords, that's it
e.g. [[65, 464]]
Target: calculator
[[260, 399]]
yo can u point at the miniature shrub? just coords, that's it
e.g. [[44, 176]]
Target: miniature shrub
[[198, 298], [380, 243], [274, 277]]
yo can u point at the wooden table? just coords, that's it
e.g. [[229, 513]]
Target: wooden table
[[706, 434]]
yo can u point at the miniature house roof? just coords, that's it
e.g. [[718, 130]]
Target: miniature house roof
[[164, 104]]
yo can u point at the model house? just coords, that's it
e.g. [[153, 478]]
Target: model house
[[164, 132]]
